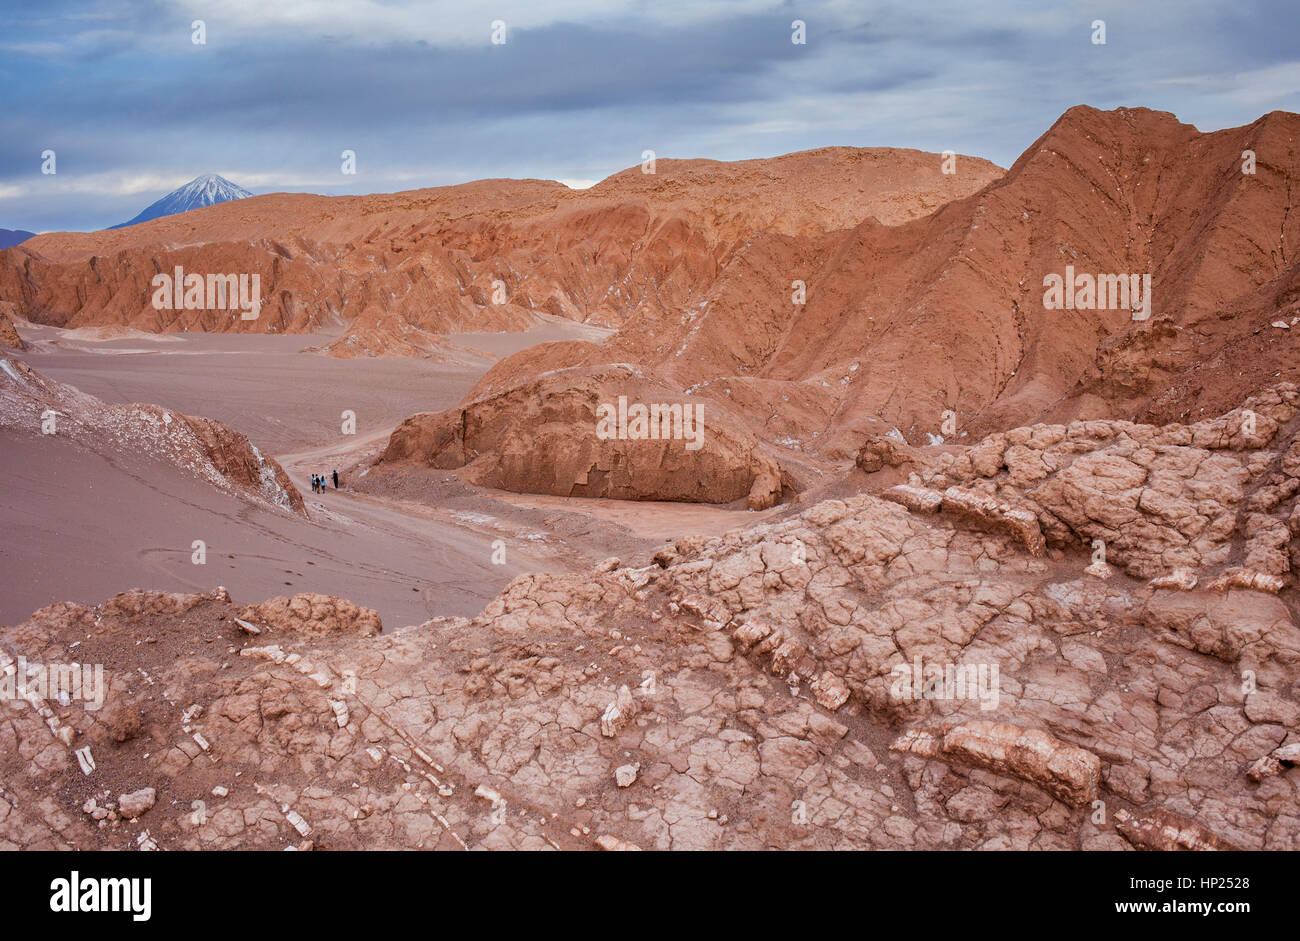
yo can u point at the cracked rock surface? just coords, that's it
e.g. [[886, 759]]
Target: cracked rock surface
[[867, 673]]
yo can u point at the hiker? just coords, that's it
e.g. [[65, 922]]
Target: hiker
[[336, 479], [315, 484]]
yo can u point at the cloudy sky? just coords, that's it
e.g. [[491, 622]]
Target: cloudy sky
[[133, 107]]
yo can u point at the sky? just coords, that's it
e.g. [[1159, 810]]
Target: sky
[[133, 107]]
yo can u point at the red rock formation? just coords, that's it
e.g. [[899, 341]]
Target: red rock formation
[[545, 436], [1065, 771], [9, 338], [1163, 831], [636, 244], [313, 613], [947, 312]]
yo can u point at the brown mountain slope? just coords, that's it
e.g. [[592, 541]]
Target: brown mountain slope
[[482, 256], [947, 312]]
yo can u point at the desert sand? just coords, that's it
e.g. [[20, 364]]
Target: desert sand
[[408, 561]]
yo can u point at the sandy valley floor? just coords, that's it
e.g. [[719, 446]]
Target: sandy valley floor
[[82, 526]]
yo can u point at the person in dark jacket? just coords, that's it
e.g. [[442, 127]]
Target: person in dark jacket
[[336, 480]]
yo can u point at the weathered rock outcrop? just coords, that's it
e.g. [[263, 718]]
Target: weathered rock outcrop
[[1155, 499], [881, 451], [732, 694], [1163, 831], [314, 613], [9, 338], [1067, 772], [575, 432]]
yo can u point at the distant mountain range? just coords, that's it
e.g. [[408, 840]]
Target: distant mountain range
[[11, 237], [206, 190]]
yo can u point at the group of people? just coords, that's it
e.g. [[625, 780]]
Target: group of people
[[319, 482]]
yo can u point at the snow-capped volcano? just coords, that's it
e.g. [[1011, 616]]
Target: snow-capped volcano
[[206, 190]]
